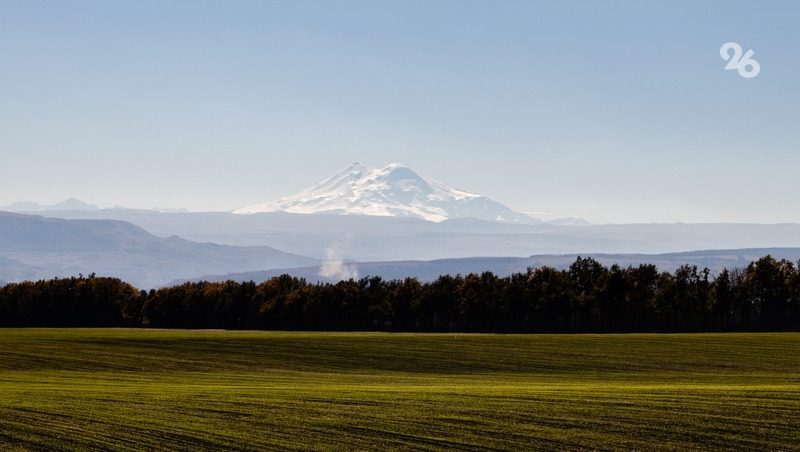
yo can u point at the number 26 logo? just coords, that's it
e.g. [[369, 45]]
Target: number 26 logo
[[745, 65]]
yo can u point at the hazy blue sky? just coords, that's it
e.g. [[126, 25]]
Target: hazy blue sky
[[614, 111]]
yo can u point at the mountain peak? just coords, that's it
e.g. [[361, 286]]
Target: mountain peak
[[395, 165], [72, 204], [358, 166], [394, 190], [67, 204]]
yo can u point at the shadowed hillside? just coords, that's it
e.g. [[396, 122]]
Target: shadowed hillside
[[33, 247]]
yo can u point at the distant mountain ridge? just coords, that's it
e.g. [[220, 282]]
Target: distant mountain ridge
[[392, 191], [715, 260], [69, 204], [374, 238], [34, 247]]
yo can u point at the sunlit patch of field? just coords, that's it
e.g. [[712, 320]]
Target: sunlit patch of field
[[192, 390]]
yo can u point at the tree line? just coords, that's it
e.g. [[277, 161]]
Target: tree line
[[586, 297]]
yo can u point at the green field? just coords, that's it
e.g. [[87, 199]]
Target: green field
[[145, 389]]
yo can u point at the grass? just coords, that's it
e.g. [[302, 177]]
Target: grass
[[192, 390]]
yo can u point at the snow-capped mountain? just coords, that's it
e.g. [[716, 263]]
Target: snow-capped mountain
[[394, 190]]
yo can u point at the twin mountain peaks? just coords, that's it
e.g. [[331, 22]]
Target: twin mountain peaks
[[392, 191]]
